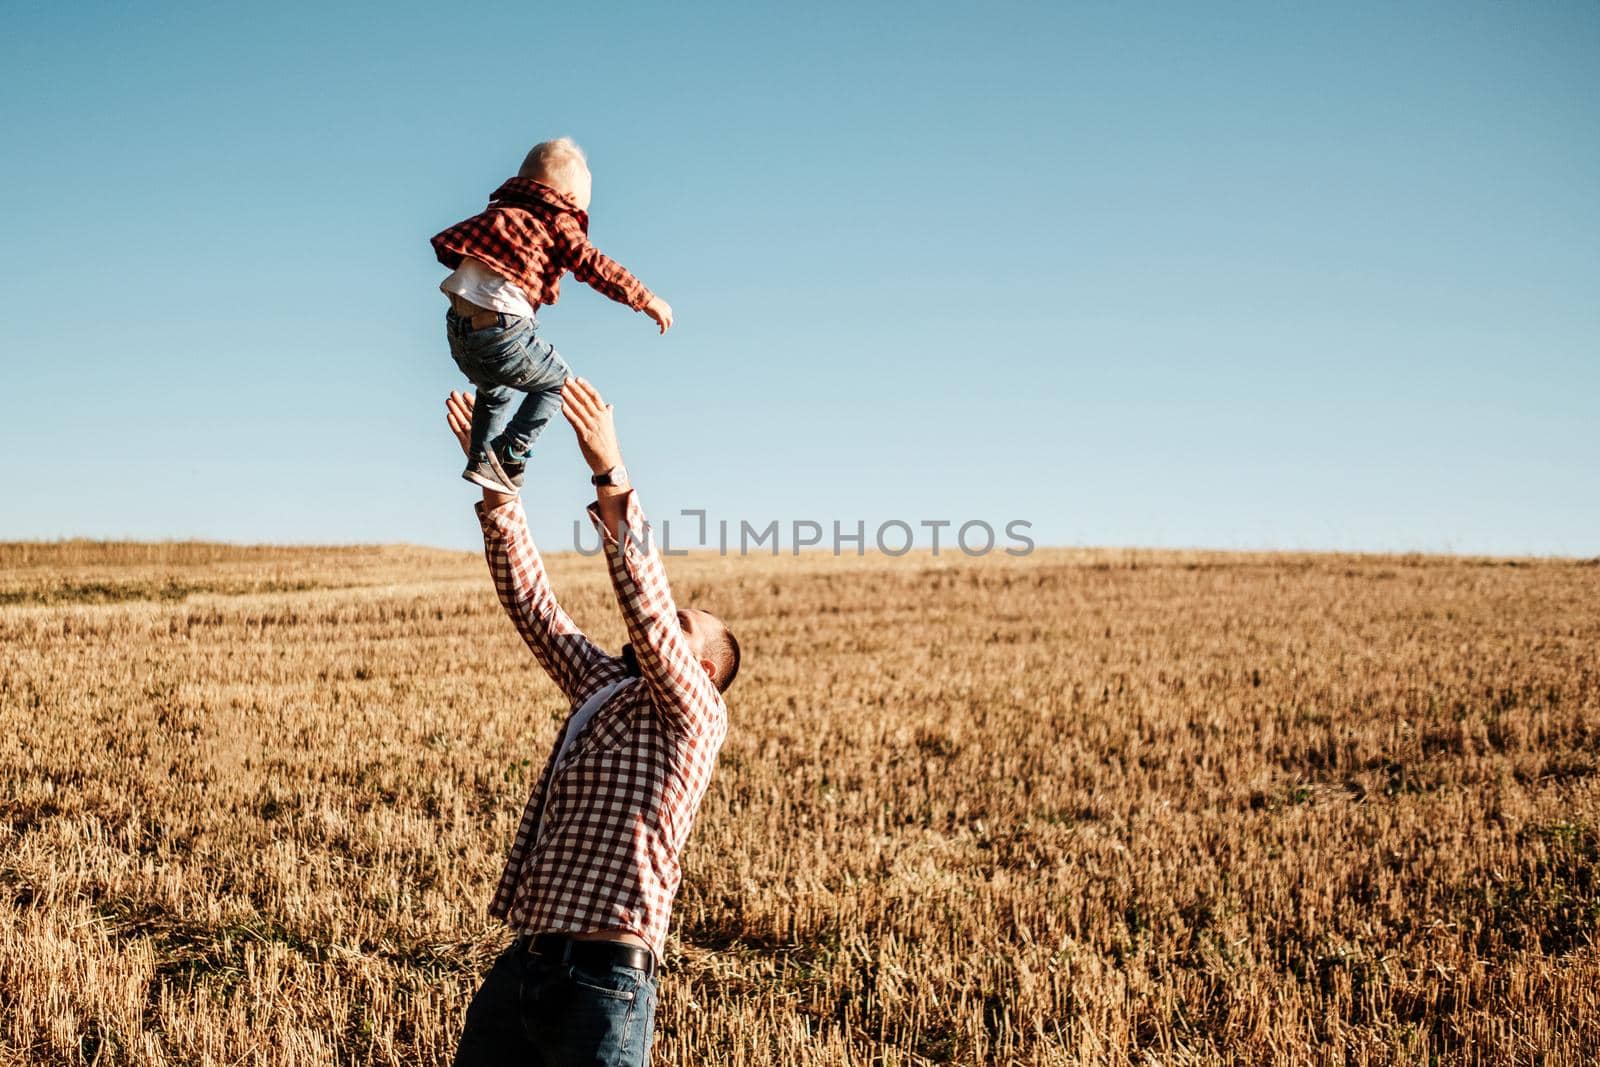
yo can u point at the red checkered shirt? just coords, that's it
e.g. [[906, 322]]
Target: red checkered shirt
[[600, 837], [531, 235]]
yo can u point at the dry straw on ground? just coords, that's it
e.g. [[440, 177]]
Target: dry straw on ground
[[1076, 808]]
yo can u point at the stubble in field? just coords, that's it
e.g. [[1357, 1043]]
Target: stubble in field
[[1082, 807]]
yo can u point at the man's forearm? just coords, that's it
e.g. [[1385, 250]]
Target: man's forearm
[[682, 690]]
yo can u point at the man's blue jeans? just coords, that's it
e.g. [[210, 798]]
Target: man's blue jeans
[[540, 1012], [502, 360]]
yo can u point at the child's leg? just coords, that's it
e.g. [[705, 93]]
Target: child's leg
[[492, 359], [490, 412], [547, 372]]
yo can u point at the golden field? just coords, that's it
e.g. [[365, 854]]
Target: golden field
[[1082, 807]]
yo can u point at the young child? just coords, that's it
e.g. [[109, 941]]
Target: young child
[[506, 263]]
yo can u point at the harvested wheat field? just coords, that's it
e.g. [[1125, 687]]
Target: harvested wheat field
[[1079, 807]]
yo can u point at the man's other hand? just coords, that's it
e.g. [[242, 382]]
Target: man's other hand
[[458, 414], [590, 417]]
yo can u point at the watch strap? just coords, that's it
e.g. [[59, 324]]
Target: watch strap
[[615, 476]]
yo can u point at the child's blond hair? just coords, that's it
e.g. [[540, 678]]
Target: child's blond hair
[[561, 160]]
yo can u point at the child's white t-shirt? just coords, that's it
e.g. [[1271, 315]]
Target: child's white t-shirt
[[477, 284]]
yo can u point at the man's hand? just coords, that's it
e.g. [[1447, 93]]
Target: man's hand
[[597, 440], [458, 416], [661, 311], [590, 417]]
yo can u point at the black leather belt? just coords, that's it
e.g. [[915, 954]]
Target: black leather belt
[[564, 949]]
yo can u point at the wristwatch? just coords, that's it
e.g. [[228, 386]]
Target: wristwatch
[[616, 477]]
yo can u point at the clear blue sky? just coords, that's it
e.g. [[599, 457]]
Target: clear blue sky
[[1249, 275]]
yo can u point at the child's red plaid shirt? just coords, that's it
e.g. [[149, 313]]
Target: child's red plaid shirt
[[617, 811], [531, 235]]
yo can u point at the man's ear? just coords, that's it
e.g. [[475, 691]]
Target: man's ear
[[711, 669]]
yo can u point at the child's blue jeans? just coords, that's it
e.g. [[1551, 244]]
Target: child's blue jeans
[[502, 360]]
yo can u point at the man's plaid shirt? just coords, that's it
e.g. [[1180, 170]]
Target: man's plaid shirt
[[531, 235], [617, 811]]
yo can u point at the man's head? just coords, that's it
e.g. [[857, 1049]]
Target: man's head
[[713, 643], [562, 166]]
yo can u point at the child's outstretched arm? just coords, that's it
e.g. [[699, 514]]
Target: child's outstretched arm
[[609, 278]]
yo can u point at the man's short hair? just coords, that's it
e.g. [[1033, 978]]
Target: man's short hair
[[723, 650], [560, 159]]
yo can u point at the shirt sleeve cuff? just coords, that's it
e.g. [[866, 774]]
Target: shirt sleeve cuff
[[501, 517], [638, 536]]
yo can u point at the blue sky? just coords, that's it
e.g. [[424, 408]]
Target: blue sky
[[1256, 275]]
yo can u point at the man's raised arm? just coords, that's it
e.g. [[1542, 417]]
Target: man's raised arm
[[520, 579], [678, 678]]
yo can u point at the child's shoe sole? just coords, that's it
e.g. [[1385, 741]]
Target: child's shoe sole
[[479, 474], [496, 463]]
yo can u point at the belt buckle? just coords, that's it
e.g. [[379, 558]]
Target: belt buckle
[[548, 949]]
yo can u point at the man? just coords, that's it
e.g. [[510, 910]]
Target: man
[[591, 875]]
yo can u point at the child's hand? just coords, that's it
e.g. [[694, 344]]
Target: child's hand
[[661, 311]]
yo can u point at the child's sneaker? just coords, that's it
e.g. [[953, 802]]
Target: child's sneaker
[[507, 467], [480, 472]]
